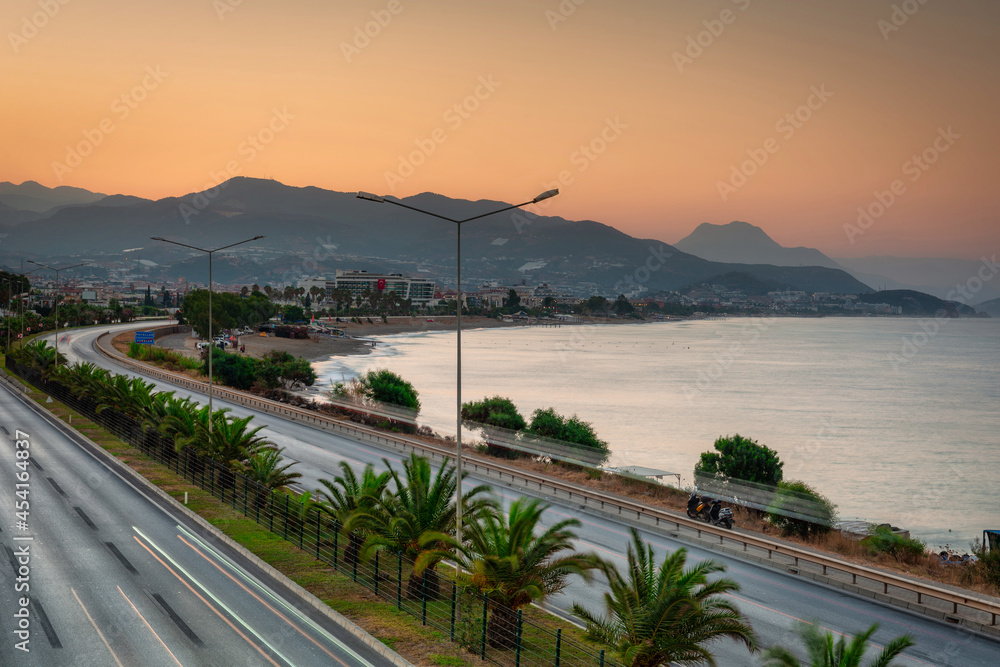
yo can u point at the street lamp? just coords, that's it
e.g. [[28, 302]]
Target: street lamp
[[56, 299], [211, 344], [458, 326], [20, 299]]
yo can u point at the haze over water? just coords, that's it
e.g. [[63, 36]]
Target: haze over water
[[910, 439]]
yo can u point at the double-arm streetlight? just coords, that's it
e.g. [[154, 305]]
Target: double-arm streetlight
[[458, 325], [211, 343], [61, 268]]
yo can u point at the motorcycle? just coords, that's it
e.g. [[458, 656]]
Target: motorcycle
[[710, 511], [721, 516]]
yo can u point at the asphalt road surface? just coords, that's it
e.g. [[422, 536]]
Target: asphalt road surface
[[108, 574], [774, 601]]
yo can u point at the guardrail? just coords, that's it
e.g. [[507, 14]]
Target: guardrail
[[955, 606]]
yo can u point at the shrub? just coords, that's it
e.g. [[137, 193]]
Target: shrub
[[573, 430], [237, 371], [497, 412], [904, 549], [987, 564], [385, 386], [742, 459], [798, 509]]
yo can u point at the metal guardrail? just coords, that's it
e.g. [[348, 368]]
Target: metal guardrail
[[980, 612], [493, 633]]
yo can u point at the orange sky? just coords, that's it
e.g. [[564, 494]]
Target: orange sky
[[498, 100]]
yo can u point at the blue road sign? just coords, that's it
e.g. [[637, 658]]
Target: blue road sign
[[144, 337]]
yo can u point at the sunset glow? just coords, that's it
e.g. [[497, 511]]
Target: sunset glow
[[649, 116]]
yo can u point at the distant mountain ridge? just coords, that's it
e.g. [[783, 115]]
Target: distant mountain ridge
[[35, 197], [743, 243], [327, 230]]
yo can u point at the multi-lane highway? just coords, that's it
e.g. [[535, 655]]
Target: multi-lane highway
[[97, 570], [774, 601]]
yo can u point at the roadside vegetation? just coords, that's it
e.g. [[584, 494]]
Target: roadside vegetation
[[509, 558]]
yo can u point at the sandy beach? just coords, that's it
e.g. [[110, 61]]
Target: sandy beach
[[320, 347]]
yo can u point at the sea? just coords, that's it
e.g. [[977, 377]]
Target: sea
[[895, 420]]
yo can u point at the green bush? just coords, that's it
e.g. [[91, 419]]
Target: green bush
[[573, 430], [904, 549], [987, 564], [385, 386], [741, 459], [234, 370], [499, 412], [798, 509]]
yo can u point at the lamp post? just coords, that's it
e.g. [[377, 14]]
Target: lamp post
[[458, 326], [211, 348], [56, 299], [21, 302]]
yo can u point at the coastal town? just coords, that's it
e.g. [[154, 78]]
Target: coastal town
[[357, 292]]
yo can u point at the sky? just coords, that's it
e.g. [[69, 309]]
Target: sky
[[860, 127]]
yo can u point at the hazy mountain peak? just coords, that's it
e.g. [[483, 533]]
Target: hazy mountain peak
[[744, 243]]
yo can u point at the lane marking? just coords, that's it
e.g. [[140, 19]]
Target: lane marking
[[162, 643], [274, 596], [219, 614], [273, 610], [99, 633]]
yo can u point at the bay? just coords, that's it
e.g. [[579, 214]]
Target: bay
[[894, 419]]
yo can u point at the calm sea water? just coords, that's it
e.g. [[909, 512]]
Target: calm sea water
[[895, 420]]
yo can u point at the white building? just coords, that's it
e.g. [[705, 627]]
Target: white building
[[418, 290]]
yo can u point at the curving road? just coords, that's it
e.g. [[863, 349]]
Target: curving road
[[112, 574], [774, 601]]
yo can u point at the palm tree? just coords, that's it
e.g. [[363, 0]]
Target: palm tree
[[346, 495], [824, 652], [505, 559], [666, 615], [264, 467], [399, 521]]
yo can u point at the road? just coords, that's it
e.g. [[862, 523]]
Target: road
[[774, 601], [113, 575]]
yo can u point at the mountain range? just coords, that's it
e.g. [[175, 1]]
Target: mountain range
[[744, 242], [310, 230]]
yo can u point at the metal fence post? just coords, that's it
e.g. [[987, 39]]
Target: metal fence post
[[601, 663], [517, 641], [558, 645], [399, 580], [285, 527], [423, 596], [482, 645], [319, 530], [454, 598], [376, 573], [336, 540]]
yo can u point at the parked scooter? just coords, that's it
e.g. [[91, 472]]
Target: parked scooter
[[710, 511], [721, 516]]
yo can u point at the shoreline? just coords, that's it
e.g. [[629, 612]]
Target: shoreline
[[319, 347]]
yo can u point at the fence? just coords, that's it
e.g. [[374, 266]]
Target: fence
[[491, 632]]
